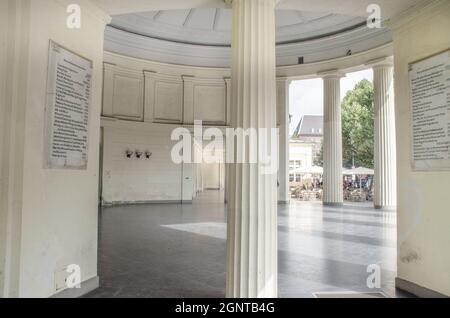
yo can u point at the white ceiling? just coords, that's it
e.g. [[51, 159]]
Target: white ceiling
[[164, 30], [346, 7], [212, 26]]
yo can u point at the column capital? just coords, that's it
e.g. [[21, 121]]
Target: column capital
[[283, 79], [385, 61], [329, 74]]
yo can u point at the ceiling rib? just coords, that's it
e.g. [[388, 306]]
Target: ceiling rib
[[294, 41], [216, 19], [300, 16], [188, 17], [157, 15]]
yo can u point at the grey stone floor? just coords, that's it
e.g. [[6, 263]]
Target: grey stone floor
[[172, 250]]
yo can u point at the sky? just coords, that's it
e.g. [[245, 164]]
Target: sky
[[306, 96]]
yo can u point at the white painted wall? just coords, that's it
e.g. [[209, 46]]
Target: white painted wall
[[187, 187], [211, 173], [198, 171], [51, 214], [140, 180], [423, 208], [213, 169], [157, 179]]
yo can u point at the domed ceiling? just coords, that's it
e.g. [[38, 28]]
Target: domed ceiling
[[202, 36], [212, 26]]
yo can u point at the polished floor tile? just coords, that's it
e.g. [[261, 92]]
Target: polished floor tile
[[173, 250]]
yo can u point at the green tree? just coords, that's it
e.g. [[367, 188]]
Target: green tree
[[358, 126]]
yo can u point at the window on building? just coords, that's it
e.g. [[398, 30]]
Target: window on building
[[291, 178]]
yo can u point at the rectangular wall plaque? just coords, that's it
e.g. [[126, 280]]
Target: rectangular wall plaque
[[430, 113], [67, 110]]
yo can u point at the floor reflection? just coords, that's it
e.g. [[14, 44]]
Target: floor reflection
[[180, 250]]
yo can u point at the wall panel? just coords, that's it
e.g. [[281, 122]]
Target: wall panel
[[166, 97], [123, 93], [206, 100], [163, 98]]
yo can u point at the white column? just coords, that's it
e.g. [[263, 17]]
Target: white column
[[283, 126], [385, 180], [332, 141], [252, 206]]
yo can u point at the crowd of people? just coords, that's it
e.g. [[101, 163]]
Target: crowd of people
[[356, 189]]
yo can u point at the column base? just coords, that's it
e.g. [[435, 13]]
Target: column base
[[86, 287], [337, 204], [417, 290], [386, 208]]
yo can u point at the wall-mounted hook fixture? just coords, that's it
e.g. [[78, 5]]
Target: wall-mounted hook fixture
[[148, 154], [129, 153], [138, 154]]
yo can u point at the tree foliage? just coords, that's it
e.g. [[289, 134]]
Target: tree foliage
[[358, 126]]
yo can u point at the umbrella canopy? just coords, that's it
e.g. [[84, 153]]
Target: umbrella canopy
[[360, 171], [308, 170]]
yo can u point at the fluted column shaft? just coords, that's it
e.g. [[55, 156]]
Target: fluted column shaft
[[385, 179], [332, 142], [252, 208], [283, 125]]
